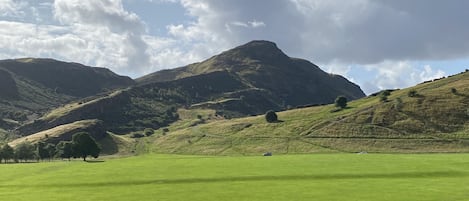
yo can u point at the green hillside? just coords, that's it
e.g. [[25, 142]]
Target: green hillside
[[434, 119], [244, 81], [259, 76], [29, 87], [430, 117]]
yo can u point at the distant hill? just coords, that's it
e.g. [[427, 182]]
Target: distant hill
[[253, 78], [29, 87]]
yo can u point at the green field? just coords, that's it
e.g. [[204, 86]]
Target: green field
[[286, 177]]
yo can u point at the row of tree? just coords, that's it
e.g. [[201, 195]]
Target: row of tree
[[81, 146]]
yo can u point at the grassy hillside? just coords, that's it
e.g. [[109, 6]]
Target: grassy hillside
[[30, 87], [251, 79], [336, 177], [433, 120]]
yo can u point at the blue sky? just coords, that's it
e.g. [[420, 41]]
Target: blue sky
[[377, 44]]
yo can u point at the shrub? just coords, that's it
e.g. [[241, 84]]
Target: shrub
[[137, 135], [270, 116], [412, 93], [341, 102], [383, 98], [398, 104], [454, 91], [148, 131]]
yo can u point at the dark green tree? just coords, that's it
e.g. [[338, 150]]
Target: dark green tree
[[270, 116], [454, 91], [41, 151], [50, 148], [24, 151], [7, 153], [341, 102], [83, 145], [1, 155], [64, 149]]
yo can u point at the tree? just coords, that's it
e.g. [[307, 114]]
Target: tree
[[64, 149], [341, 102], [24, 151], [454, 91], [83, 145], [270, 116], [7, 153], [1, 155], [50, 148], [41, 151]]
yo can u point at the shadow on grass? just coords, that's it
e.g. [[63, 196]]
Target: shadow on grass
[[100, 161], [402, 175]]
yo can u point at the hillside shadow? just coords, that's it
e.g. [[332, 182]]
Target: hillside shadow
[[401, 175]]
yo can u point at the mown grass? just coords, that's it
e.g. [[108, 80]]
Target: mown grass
[[286, 177]]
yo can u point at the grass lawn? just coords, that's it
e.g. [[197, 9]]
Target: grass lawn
[[286, 177]]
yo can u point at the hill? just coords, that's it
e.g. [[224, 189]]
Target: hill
[[430, 117], [246, 80], [29, 87], [253, 78]]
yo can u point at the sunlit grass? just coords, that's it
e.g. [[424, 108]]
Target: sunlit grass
[[287, 177]]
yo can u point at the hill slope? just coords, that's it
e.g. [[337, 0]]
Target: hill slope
[[29, 87], [433, 120], [260, 75], [246, 80]]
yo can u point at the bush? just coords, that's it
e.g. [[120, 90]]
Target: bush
[[398, 104], [270, 116], [412, 93], [137, 135], [454, 91], [383, 96], [341, 102], [148, 131]]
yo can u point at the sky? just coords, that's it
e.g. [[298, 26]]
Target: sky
[[378, 44]]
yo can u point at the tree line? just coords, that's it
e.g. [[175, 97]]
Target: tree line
[[81, 146]]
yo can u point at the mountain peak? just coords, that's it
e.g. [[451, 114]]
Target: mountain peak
[[260, 44], [258, 50]]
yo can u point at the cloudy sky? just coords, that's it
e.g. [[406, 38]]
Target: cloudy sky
[[377, 44]]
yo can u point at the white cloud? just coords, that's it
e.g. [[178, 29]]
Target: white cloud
[[256, 24], [10, 8], [392, 75], [383, 37], [428, 74]]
